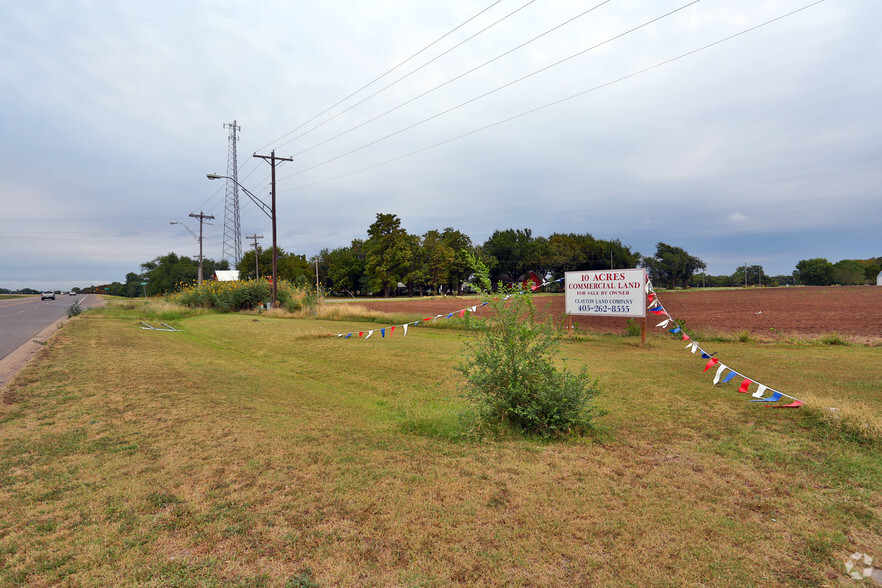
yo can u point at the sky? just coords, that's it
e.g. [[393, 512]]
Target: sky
[[743, 131]]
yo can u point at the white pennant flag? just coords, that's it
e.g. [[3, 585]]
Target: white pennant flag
[[719, 373], [759, 391], [405, 330], [664, 323], [474, 308], [694, 348], [368, 335]]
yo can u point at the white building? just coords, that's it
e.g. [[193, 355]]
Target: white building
[[226, 275]]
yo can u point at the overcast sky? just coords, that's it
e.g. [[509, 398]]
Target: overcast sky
[[625, 122]]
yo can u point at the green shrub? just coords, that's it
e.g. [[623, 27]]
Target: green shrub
[[511, 378]]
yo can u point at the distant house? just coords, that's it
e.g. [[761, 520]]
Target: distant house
[[879, 279], [226, 275]]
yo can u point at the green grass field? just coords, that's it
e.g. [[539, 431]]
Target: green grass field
[[257, 451]]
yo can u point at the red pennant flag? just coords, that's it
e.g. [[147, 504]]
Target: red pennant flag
[[794, 404], [685, 337], [391, 330], [744, 385], [462, 313], [711, 363], [361, 333], [428, 318]]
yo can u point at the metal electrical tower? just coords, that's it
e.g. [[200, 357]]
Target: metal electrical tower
[[232, 247]]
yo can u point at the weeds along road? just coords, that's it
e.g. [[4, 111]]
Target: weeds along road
[[22, 318]]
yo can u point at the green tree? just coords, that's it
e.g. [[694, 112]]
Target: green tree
[[133, 287], [848, 272], [514, 253], [437, 258], [294, 268], [620, 255], [416, 276], [387, 253], [289, 266], [872, 267], [671, 265], [749, 275], [459, 269], [165, 273], [815, 272], [346, 267]]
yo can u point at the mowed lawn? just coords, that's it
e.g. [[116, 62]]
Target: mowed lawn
[[257, 451]]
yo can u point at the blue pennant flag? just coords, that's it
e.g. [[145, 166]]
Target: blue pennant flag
[[773, 398]]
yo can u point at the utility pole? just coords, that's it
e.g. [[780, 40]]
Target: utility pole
[[256, 264], [232, 245], [201, 218], [271, 158]]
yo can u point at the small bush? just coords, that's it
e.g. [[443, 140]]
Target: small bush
[[74, 309], [744, 336], [511, 378], [832, 339], [632, 329]]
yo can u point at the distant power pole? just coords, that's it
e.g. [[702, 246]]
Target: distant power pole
[[256, 263], [201, 218], [232, 247]]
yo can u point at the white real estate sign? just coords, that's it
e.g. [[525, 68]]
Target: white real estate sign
[[618, 292]]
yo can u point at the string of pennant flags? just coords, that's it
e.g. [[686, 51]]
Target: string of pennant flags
[[390, 330], [723, 374]]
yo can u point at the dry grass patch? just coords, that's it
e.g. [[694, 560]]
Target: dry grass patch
[[245, 453]]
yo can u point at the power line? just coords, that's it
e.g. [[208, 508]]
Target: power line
[[499, 88], [383, 89], [555, 103], [382, 75], [450, 81]]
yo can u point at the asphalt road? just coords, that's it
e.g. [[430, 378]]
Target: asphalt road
[[22, 318]]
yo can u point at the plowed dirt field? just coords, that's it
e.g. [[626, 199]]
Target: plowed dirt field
[[854, 312]]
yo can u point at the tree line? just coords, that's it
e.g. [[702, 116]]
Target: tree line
[[391, 261]]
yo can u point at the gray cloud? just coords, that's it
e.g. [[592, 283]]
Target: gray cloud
[[764, 148]]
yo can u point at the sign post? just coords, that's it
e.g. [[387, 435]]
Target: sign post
[[620, 292]]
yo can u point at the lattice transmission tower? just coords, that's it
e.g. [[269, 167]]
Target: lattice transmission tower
[[232, 248]]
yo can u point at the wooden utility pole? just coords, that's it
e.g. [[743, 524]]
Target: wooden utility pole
[[201, 218], [256, 264], [271, 158]]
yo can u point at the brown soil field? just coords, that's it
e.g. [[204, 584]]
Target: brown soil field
[[854, 312]]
